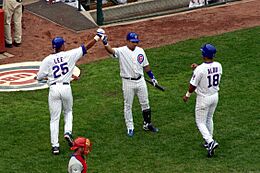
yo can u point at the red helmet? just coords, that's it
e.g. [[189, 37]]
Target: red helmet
[[84, 143]]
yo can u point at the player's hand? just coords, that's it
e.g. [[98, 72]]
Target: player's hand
[[185, 98], [100, 32], [104, 40], [193, 66], [75, 78], [155, 82]]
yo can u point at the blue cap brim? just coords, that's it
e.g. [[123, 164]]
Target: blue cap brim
[[134, 40]]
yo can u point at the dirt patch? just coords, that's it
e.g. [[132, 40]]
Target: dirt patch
[[38, 32]]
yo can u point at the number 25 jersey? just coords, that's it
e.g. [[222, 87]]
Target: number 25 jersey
[[59, 67]]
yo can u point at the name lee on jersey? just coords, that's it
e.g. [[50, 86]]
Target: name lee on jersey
[[58, 60]]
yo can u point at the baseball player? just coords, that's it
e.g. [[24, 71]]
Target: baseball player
[[133, 62], [58, 68], [205, 82], [77, 163]]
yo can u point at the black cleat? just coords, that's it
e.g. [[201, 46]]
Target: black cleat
[[55, 150], [69, 139], [8, 45], [17, 44], [211, 147], [150, 127]]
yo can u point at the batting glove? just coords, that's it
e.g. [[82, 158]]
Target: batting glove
[[104, 40], [155, 82], [100, 34]]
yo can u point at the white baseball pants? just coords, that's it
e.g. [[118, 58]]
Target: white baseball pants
[[204, 110], [130, 88], [60, 97]]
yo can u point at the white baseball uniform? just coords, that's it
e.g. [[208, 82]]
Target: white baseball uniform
[[131, 71], [58, 69], [206, 77]]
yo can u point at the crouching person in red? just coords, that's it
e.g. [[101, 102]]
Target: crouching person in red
[[77, 164]]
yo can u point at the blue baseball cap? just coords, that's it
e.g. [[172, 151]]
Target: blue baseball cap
[[132, 37], [208, 50], [57, 42]]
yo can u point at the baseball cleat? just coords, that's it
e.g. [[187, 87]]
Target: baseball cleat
[[211, 147], [55, 150], [150, 127], [8, 45], [69, 139], [130, 132]]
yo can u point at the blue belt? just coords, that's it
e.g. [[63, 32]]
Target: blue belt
[[64, 83], [130, 78]]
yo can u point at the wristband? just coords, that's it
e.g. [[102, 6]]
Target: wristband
[[150, 74], [188, 94], [84, 50], [96, 38]]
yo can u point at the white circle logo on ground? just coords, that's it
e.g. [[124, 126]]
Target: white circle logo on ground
[[20, 77]]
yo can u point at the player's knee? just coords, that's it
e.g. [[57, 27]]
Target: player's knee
[[201, 125], [67, 112], [145, 106], [127, 107], [54, 119]]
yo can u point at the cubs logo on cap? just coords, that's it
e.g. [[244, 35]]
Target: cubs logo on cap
[[133, 37]]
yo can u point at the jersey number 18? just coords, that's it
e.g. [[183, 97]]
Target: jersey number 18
[[213, 80]]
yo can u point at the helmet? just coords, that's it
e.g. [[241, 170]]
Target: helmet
[[133, 37], [84, 143], [208, 50], [57, 42]]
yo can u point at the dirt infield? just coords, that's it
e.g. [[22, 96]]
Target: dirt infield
[[38, 32]]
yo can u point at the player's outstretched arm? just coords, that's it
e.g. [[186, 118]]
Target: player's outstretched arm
[[108, 48], [104, 38], [91, 43]]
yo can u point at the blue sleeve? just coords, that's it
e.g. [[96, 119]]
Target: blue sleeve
[[84, 50]]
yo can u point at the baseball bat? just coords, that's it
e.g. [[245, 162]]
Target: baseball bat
[[156, 85]]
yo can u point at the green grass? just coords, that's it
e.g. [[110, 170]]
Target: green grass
[[98, 115]]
